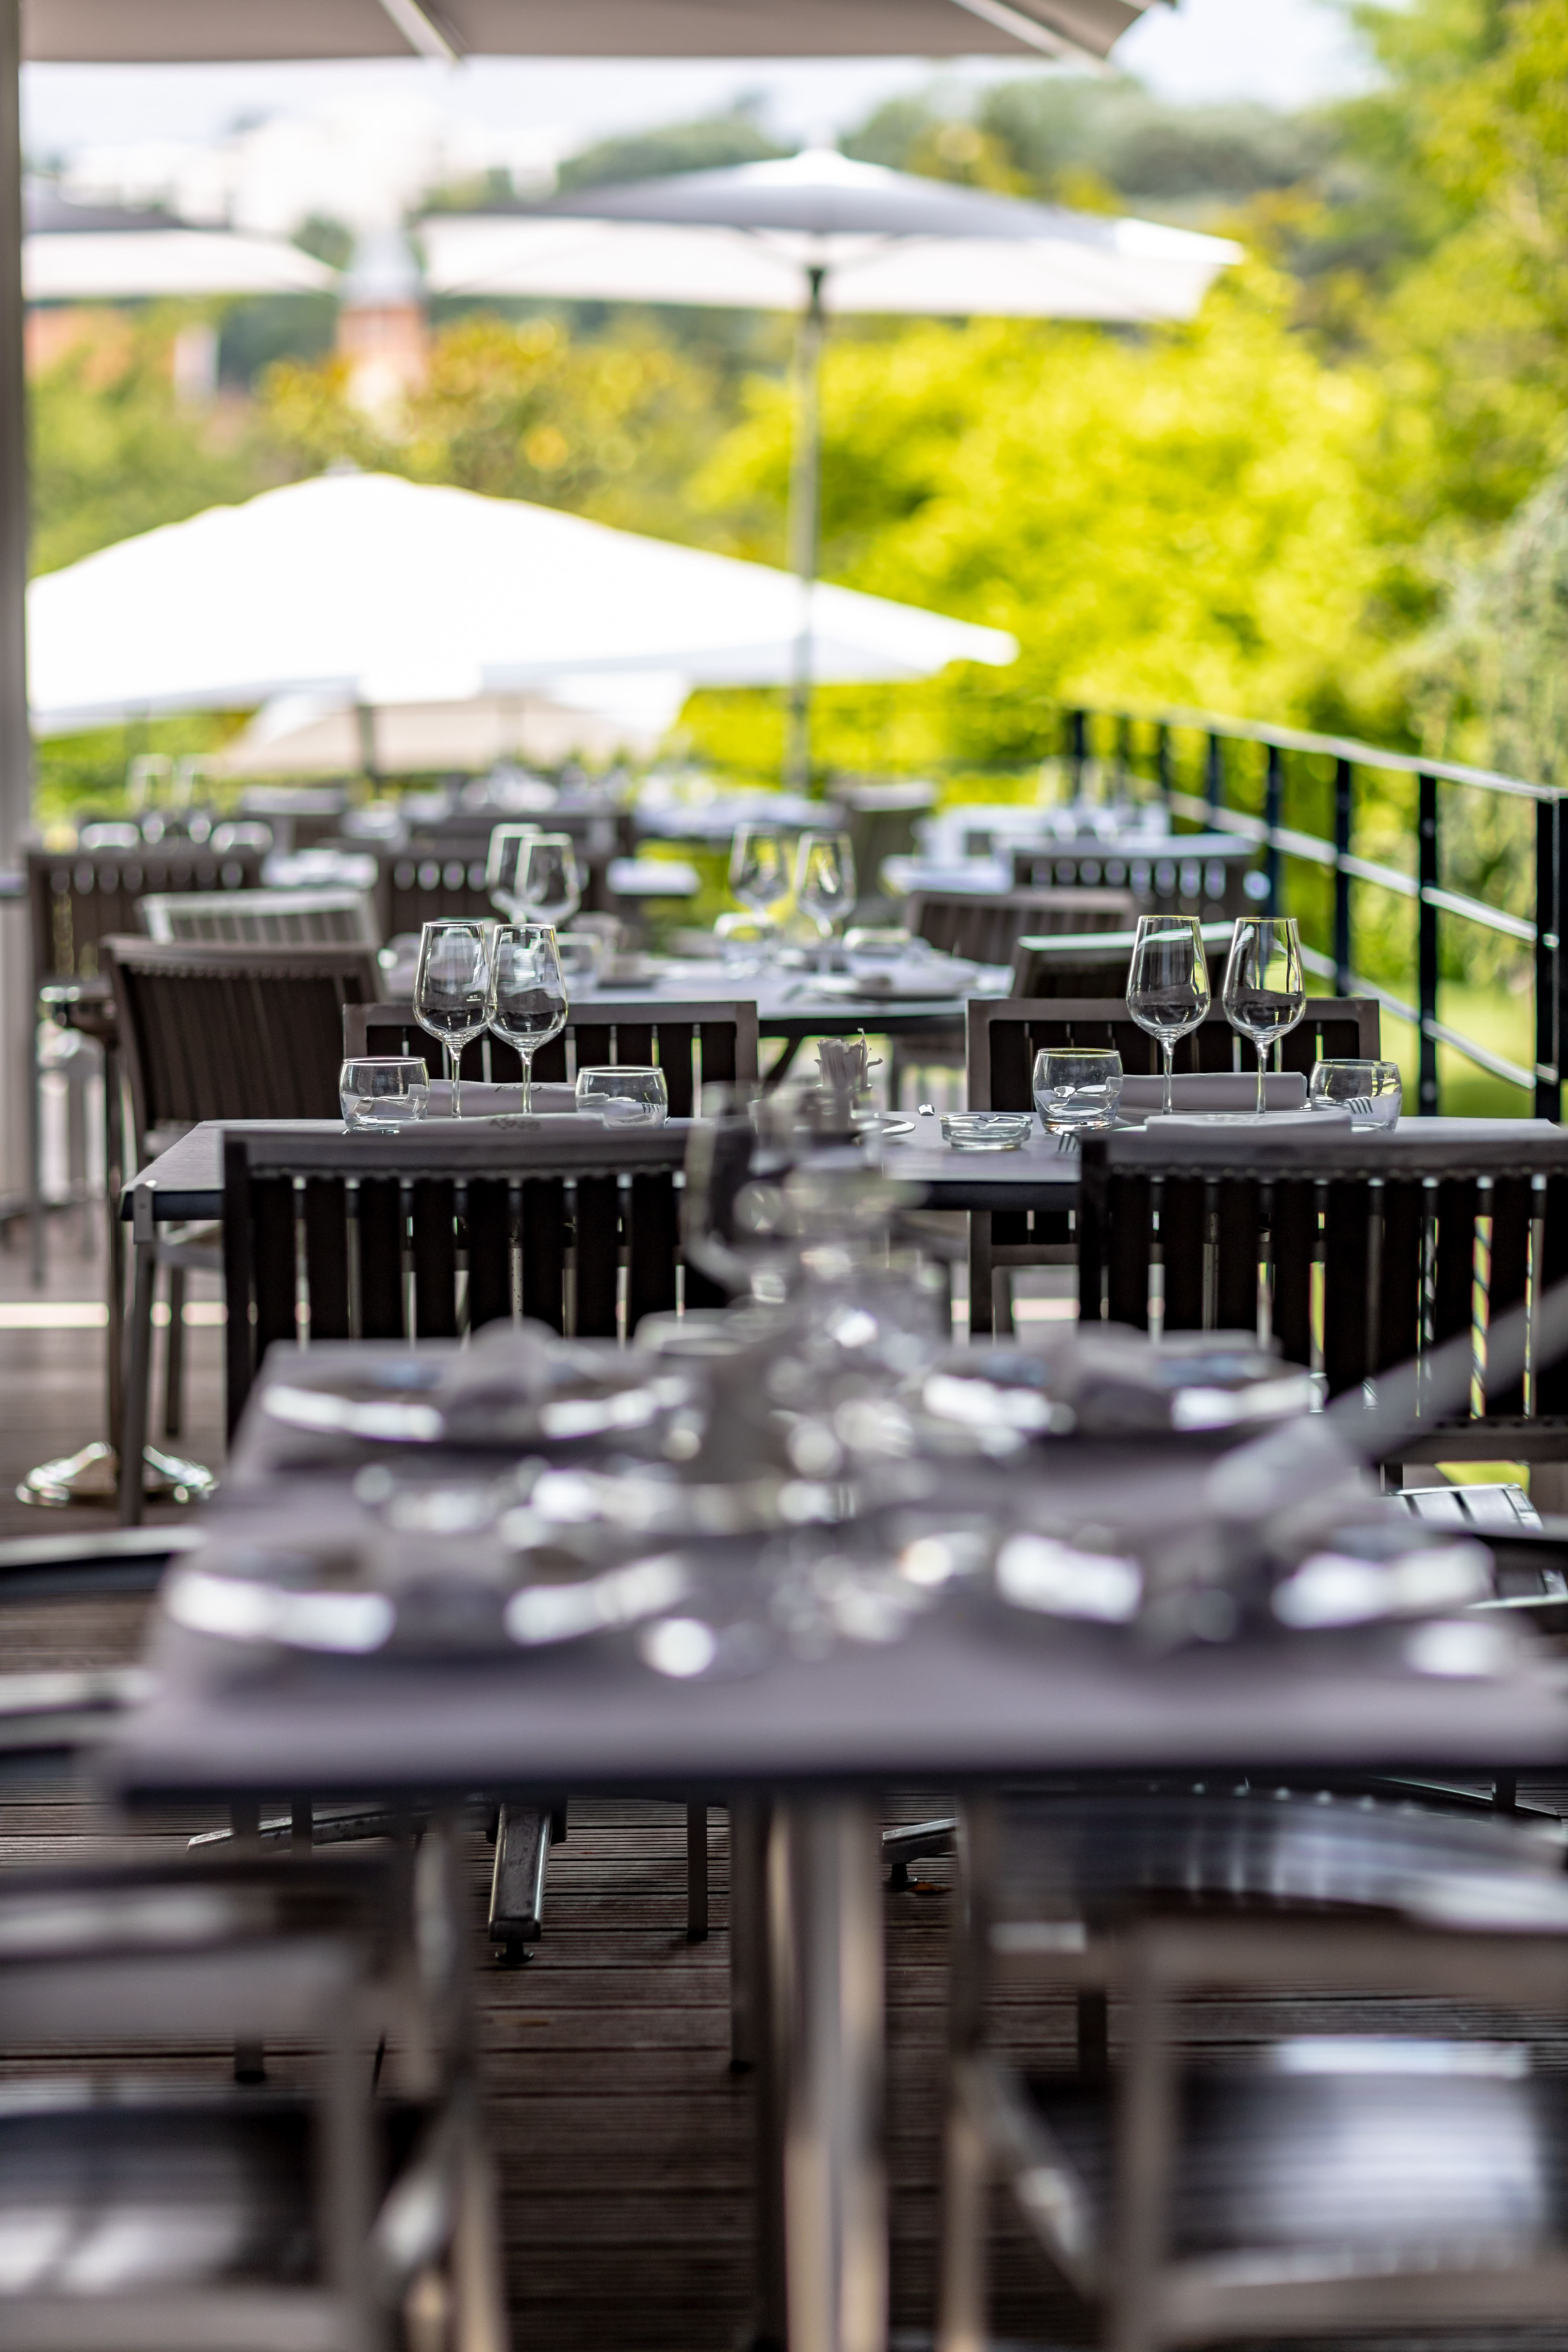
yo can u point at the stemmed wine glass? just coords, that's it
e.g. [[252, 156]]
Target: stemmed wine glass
[[1265, 994], [824, 878], [452, 991], [549, 887], [501, 865], [528, 1002], [759, 867], [1168, 982]]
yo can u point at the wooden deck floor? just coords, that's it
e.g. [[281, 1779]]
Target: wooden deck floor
[[624, 2140]]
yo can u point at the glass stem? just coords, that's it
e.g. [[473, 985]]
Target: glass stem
[[454, 1065], [525, 1054], [1262, 1066], [1168, 1047]]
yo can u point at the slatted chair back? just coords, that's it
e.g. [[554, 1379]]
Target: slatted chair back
[[78, 898], [1091, 963], [1006, 1033], [1354, 1253], [695, 1045], [987, 926], [427, 1236], [228, 1032], [263, 918], [1189, 874]]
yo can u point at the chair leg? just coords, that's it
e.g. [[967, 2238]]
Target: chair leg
[[961, 2289], [138, 1370], [697, 1874], [175, 1355], [982, 1304], [517, 1882]]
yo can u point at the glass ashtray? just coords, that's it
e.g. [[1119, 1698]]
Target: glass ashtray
[[987, 1130]]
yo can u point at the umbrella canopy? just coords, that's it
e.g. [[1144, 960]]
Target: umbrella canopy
[[172, 32], [376, 589], [305, 735], [110, 253], [752, 237], [817, 233]]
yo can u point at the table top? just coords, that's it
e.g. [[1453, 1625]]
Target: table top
[[973, 1692], [186, 1180]]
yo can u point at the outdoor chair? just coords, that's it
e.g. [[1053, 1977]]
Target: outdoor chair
[[1214, 878], [1004, 1035], [1364, 2181], [263, 918], [695, 1044], [1354, 1253], [76, 899], [986, 927], [1091, 963], [880, 821], [149, 2206], [219, 1031]]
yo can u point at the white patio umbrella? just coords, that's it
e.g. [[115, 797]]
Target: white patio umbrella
[[110, 253], [373, 590], [180, 31], [819, 233]]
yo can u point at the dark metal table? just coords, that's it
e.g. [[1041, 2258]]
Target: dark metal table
[[968, 1696]]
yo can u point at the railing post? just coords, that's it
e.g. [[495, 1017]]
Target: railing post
[[1124, 752], [1344, 831], [1163, 777], [1547, 959], [1426, 937], [1273, 798], [1214, 773], [1077, 749], [1560, 927]]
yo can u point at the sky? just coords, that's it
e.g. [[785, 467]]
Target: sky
[[1282, 52]]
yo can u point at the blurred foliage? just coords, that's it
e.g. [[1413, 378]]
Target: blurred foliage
[[708, 145], [613, 429], [115, 452]]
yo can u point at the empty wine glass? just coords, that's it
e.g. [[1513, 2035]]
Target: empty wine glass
[[759, 867], [549, 887], [824, 878], [501, 865], [452, 991], [528, 1005], [1265, 994], [1168, 982]]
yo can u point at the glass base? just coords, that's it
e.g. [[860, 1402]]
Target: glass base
[[93, 1475]]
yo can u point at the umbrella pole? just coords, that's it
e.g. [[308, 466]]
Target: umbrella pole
[[804, 521]]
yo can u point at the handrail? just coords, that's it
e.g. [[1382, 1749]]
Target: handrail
[[1546, 936]]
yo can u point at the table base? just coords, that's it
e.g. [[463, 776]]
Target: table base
[[93, 1475]]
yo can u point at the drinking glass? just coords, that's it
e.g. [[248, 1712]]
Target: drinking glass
[[1373, 1092], [629, 1091], [1168, 982], [549, 887], [824, 878], [528, 1002], [1265, 994], [501, 865], [759, 867], [452, 985], [1076, 1088], [383, 1090]]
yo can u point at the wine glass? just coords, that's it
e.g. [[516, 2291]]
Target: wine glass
[[1265, 994], [824, 878], [759, 867], [549, 887], [501, 865], [452, 991], [528, 1003], [1168, 982]]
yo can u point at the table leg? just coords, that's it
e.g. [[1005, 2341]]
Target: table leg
[[113, 1179], [825, 1973]]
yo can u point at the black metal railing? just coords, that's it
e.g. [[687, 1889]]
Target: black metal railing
[[1169, 752]]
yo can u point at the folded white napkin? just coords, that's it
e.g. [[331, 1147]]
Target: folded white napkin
[[1216, 1090], [1196, 1120], [483, 1098]]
